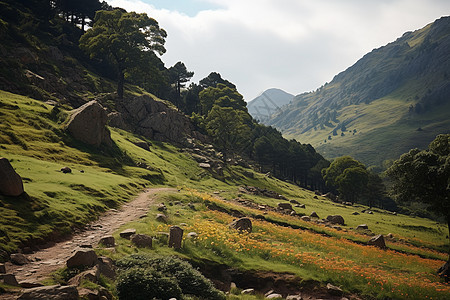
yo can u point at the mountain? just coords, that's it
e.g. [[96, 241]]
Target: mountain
[[269, 102], [393, 99]]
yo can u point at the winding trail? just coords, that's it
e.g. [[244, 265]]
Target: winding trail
[[45, 261]]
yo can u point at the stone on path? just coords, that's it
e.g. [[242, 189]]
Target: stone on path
[[19, 259], [9, 279], [82, 257], [127, 233], [53, 292], [107, 241], [175, 237], [10, 182], [2, 269]]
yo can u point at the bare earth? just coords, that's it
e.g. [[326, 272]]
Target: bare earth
[[46, 261]]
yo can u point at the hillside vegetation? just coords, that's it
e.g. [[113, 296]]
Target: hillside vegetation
[[394, 95]]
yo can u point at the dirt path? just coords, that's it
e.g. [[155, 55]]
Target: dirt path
[[46, 261]]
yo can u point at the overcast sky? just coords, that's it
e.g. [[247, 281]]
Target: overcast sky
[[295, 45]]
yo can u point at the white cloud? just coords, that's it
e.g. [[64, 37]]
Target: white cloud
[[296, 45]]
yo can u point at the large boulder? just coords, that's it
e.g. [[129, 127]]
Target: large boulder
[[242, 224], [377, 241], [52, 292], [10, 182], [142, 240], [82, 258], [88, 124], [336, 219]]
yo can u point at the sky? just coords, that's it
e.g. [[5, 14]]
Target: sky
[[294, 45]]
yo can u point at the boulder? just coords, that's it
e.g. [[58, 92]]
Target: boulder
[[285, 205], [106, 267], [314, 215], [362, 227], [242, 224], [89, 275], [294, 201], [88, 124], [302, 206], [108, 241], [334, 290], [66, 170], [10, 182], [52, 292], [82, 258], [2, 268], [127, 233], [19, 259], [306, 218], [142, 240], [377, 241], [175, 237], [161, 218], [9, 279], [444, 271], [336, 219]]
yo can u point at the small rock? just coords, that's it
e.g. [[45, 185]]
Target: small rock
[[355, 213], [274, 296], [390, 236], [192, 235], [377, 241], [269, 292], [106, 267], [30, 284], [369, 212], [302, 206], [306, 218], [204, 165], [336, 219], [54, 292], [248, 292], [142, 240], [66, 170], [336, 227], [294, 202], [162, 207], [161, 218], [89, 275], [362, 227], [127, 233], [285, 205], [314, 215], [242, 224], [2, 269], [108, 241], [19, 259], [334, 290], [294, 297], [10, 279]]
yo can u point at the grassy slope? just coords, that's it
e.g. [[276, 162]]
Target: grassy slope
[[38, 148]]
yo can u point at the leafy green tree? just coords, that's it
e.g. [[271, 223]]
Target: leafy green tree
[[424, 177], [121, 37], [229, 129], [223, 96], [213, 79], [178, 76]]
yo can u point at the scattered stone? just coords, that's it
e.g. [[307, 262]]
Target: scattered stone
[[444, 271], [355, 213], [336, 219], [302, 206], [2, 269], [248, 292], [389, 236], [306, 218], [142, 240], [362, 227], [191, 206], [269, 292], [108, 241], [106, 267], [82, 257], [19, 259], [315, 197], [9, 279], [127, 233], [377, 241], [89, 275], [242, 224], [274, 296], [10, 182], [162, 207], [348, 203], [336, 227], [161, 218], [294, 297], [88, 124], [192, 235], [53, 292], [30, 284], [294, 201], [334, 290], [175, 237], [330, 196], [314, 215], [232, 285], [204, 165], [369, 212], [285, 205], [66, 170]]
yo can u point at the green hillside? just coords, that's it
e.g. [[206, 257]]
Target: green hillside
[[396, 95]]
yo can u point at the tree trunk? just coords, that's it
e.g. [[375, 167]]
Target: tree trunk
[[120, 82]]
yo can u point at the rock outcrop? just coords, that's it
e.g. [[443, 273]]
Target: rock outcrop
[[54, 292], [153, 119], [10, 182], [88, 124]]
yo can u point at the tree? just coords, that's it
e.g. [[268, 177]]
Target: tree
[[121, 37], [223, 96], [179, 75], [213, 79], [424, 176]]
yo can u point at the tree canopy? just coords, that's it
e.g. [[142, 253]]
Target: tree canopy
[[121, 37]]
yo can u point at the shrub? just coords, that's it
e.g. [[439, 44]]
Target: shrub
[[144, 284]]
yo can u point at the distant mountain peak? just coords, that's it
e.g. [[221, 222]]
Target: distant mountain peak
[[268, 102]]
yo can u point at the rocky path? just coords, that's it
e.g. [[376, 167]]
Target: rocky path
[[44, 262]]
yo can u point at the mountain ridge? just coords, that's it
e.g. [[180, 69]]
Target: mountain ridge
[[268, 102]]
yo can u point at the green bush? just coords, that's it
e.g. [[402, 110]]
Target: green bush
[[189, 280], [144, 284]]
